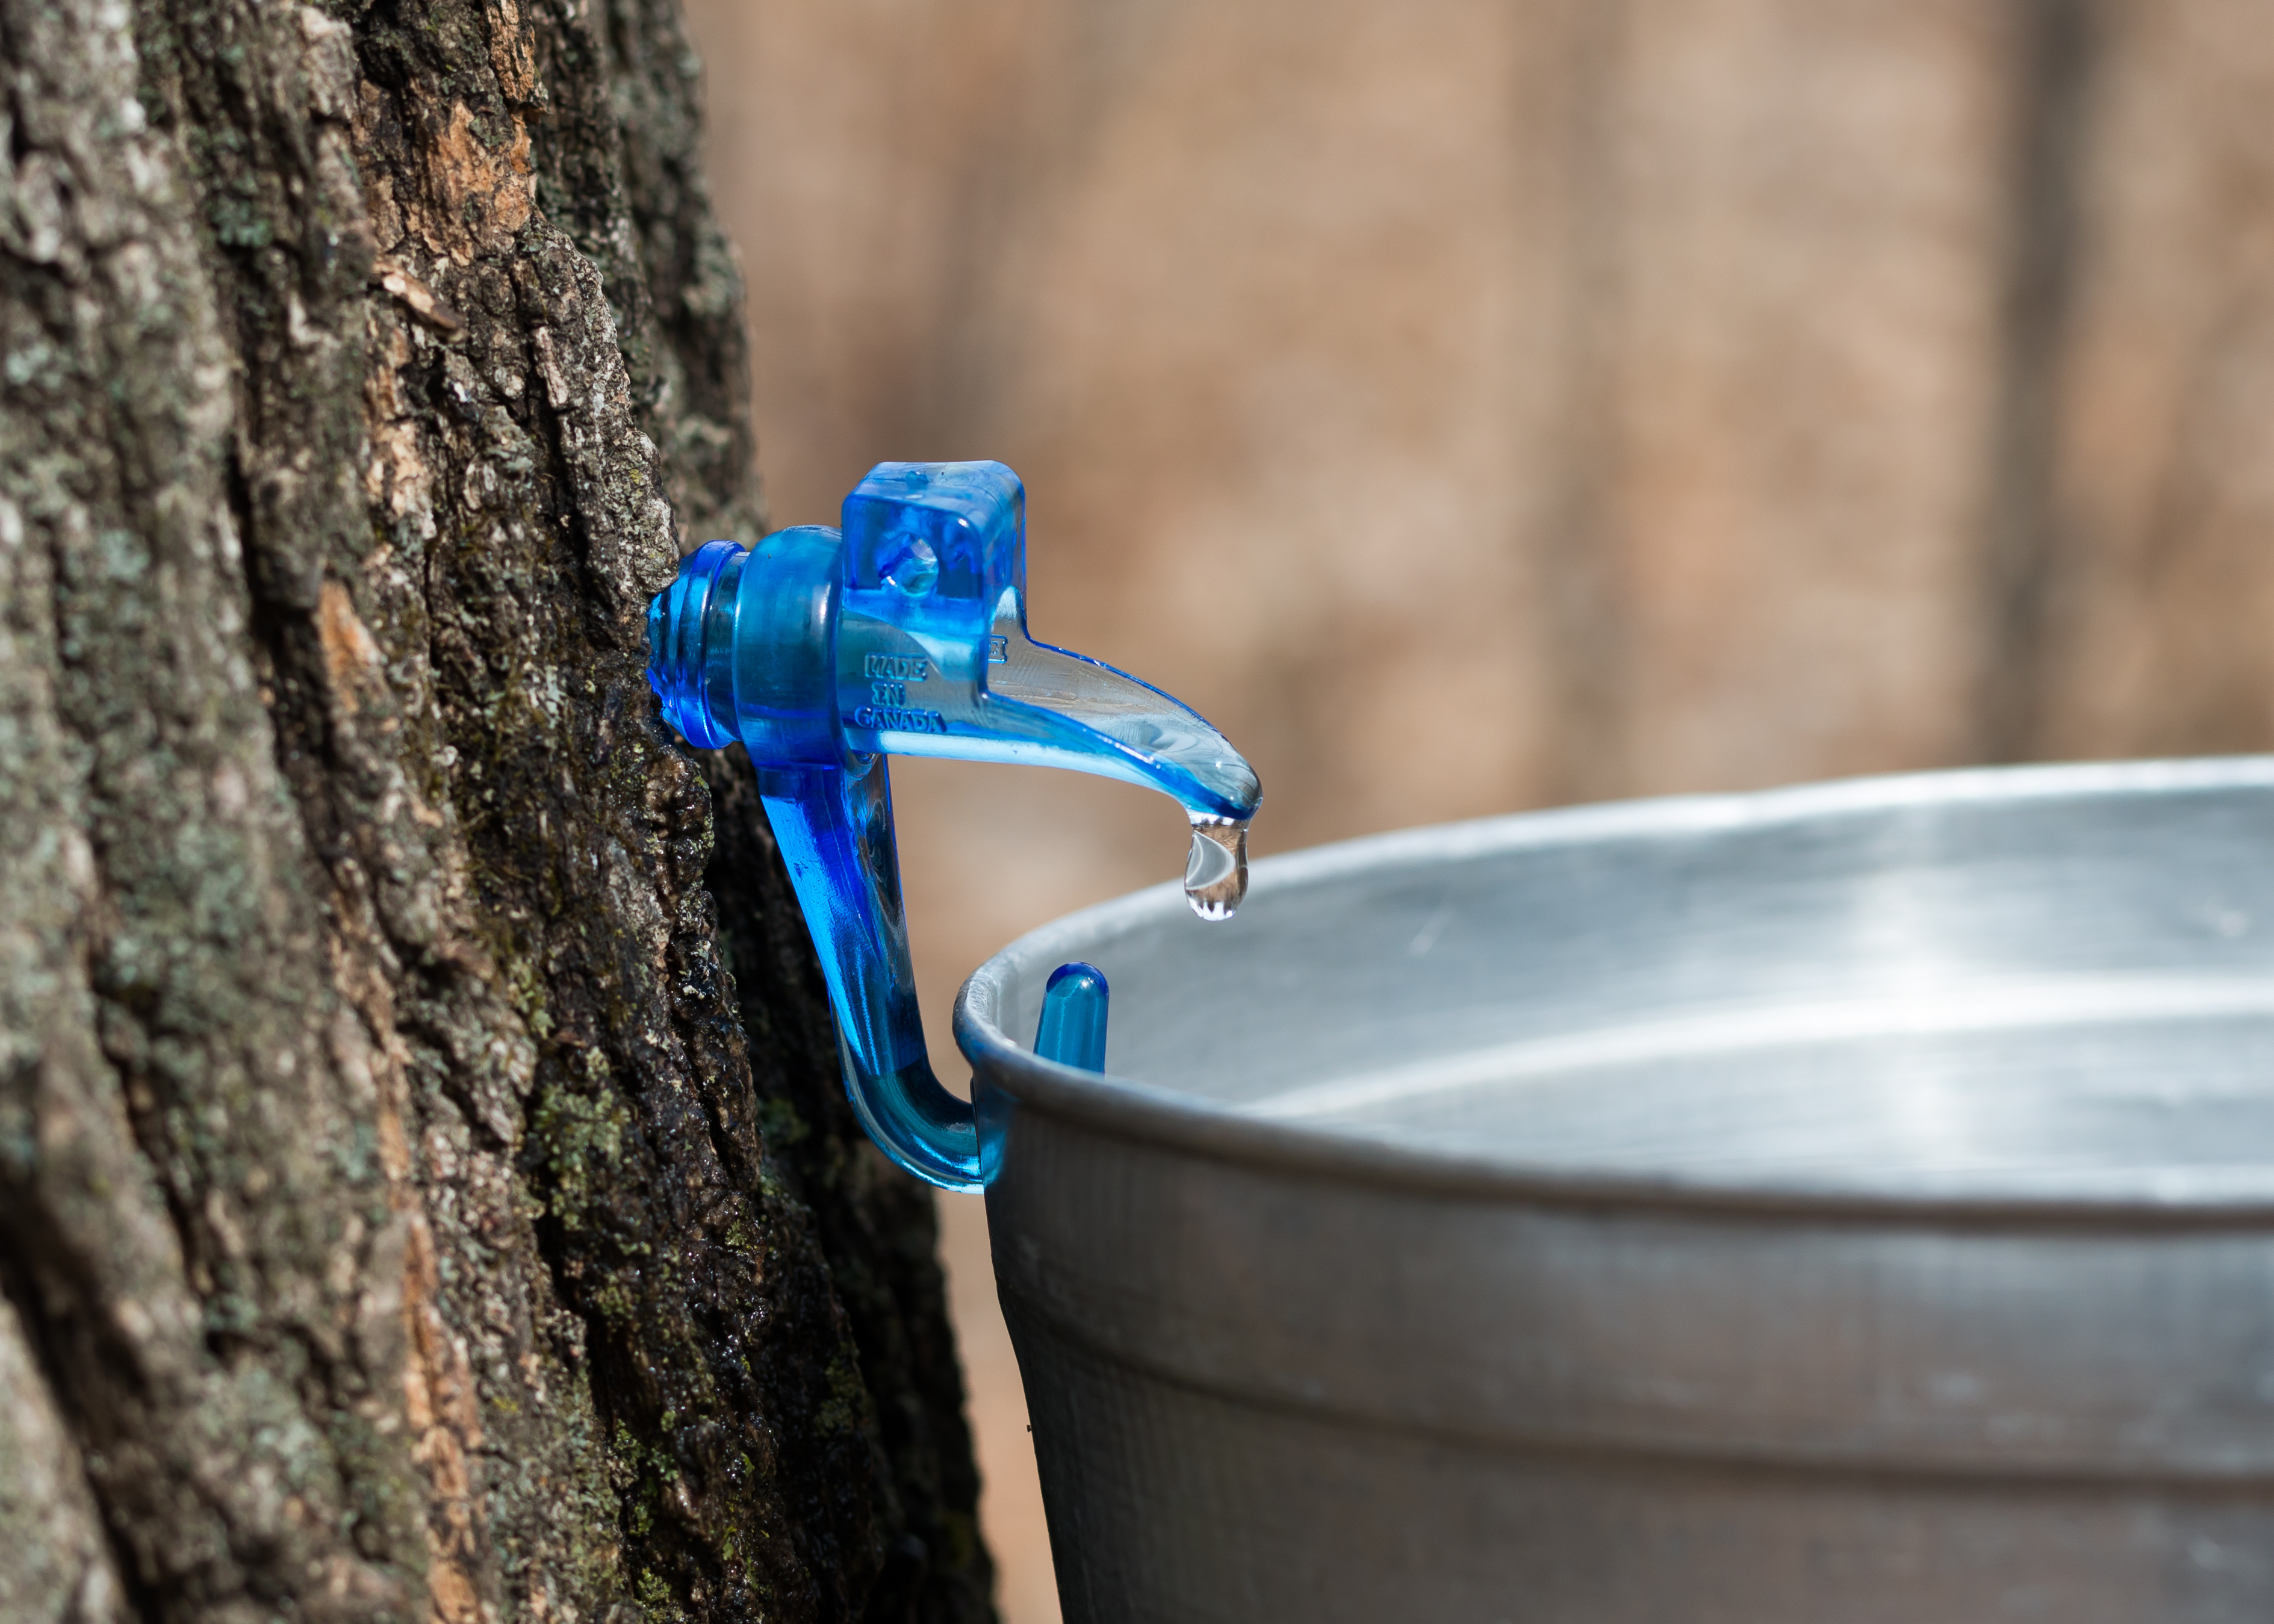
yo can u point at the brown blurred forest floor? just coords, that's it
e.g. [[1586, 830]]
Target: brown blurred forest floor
[[1469, 406]]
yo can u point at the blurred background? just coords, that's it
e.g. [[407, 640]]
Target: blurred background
[[1470, 405]]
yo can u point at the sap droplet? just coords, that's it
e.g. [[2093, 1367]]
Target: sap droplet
[[1215, 873]]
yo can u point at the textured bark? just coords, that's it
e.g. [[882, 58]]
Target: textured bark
[[406, 1213]]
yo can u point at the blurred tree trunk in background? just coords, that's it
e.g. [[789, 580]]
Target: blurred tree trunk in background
[[1918, 414], [419, 1199]]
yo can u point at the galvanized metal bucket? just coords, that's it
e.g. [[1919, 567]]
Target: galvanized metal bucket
[[1853, 1203]]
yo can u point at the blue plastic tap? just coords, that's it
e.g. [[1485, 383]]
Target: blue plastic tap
[[905, 634]]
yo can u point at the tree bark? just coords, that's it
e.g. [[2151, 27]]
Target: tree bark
[[424, 1191]]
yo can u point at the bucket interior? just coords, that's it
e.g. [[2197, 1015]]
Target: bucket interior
[[2041, 983]]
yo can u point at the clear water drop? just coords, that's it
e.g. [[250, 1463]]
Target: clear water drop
[[1215, 873]]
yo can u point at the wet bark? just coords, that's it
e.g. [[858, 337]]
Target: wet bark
[[423, 1189]]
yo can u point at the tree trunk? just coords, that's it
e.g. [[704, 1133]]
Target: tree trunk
[[424, 1184]]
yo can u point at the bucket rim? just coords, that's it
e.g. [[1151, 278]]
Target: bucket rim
[[1169, 1119]]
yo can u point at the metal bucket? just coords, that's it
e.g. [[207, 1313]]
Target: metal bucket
[[1851, 1203]]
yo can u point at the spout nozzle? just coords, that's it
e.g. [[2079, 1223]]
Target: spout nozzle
[[1058, 709]]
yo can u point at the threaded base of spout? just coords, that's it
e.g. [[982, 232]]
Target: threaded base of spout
[[690, 647]]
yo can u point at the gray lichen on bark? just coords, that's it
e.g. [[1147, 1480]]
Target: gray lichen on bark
[[389, 1211]]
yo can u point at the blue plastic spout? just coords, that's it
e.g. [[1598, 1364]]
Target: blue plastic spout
[[905, 634]]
